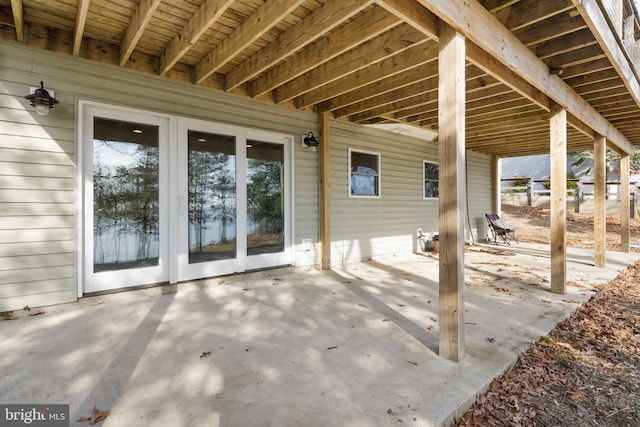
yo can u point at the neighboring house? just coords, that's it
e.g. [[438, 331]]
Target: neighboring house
[[177, 150]]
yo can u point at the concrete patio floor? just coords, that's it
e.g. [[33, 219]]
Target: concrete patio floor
[[355, 346]]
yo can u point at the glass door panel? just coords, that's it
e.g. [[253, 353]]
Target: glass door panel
[[265, 197], [212, 197], [125, 220], [125, 195]]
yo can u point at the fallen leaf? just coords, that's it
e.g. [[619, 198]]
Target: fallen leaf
[[412, 363], [578, 394], [502, 289], [246, 289], [38, 313], [97, 416], [491, 340], [430, 328], [98, 303], [401, 305], [9, 317], [205, 354], [571, 301], [362, 305], [333, 347]]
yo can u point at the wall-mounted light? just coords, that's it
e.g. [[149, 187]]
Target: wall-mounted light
[[310, 140], [41, 99]]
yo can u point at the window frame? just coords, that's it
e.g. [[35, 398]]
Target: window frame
[[424, 180], [378, 176]]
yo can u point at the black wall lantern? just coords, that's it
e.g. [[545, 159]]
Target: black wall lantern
[[310, 140], [42, 100]]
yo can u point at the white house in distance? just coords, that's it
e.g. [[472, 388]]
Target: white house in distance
[[198, 138]]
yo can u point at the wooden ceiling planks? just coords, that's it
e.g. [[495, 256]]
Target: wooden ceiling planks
[[366, 61]]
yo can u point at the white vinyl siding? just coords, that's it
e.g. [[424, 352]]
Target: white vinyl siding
[[38, 158]]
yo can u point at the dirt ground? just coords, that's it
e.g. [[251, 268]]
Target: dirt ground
[[586, 372]]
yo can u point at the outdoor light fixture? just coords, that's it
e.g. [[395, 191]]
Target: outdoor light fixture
[[310, 140], [42, 100]]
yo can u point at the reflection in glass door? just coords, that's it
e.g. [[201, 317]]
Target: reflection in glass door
[[265, 197], [125, 195], [212, 197]]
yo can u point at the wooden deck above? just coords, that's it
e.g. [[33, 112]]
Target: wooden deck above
[[374, 62]]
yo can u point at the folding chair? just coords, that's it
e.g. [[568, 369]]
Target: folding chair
[[501, 230]]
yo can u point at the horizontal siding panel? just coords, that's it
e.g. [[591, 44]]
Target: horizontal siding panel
[[15, 59], [53, 196], [36, 274], [36, 248], [16, 263], [37, 144], [37, 157], [37, 235], [29, 288], [38, 300], [25, 222], [40, 170], [36, 130], [37, 183], [30, 209]]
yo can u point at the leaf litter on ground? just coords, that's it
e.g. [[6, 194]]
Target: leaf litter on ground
[[587, 370]]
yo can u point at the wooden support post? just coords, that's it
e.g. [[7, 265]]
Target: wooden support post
[[324, 151], [599, 208], [625, 227], [558, 146], [496, 187], [451, 140]]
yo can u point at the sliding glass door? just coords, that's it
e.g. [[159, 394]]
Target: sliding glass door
[[215, 199]]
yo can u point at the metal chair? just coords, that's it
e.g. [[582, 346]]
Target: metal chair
[[501, 230]]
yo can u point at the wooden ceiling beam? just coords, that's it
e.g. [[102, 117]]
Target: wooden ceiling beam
[[396, 88], [136, 28], [526, 13], [599, 86], [511, 78], [207, 14], [585, 79], [494, 6], [605, 93], [580, 56], [585, 69], [554, 27], [361, 29], [341, 76], [254, 27], [413, 14], [81, 18], [415, 95], [521, 118], [420, 93], [320, 22], [567, 43], [482, 28], [401, 86], [18, 19]]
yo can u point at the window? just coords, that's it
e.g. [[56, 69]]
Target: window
[[430, 177], [364, 174]]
